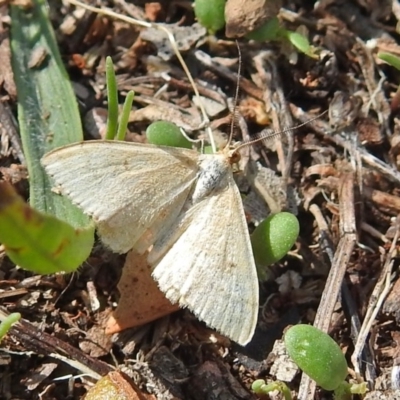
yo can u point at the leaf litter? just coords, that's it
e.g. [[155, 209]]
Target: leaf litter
[[342, 174]]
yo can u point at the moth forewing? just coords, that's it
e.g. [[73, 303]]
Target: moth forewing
[[128, 188]]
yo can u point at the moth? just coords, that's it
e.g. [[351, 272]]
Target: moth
[[182, 205]]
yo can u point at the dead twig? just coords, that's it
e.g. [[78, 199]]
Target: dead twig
[[339, 265], [42, 343]]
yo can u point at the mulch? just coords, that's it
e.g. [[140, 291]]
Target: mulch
[[338, 174]]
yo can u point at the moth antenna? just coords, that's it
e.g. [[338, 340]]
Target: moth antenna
[[171, 38], [273, 135], [236, 98]]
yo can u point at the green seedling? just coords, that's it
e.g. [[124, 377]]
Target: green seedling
[[269, 31], [112, 99], [273, 31], [166, 133], [7, 323], [274, 237], [116, 130], [319, 356], [301, 43], [210, 14], [261, 388]]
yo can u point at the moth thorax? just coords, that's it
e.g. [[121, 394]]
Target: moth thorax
[[211, 177]]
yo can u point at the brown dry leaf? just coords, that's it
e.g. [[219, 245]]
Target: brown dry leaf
[[243, 16], [322, 170], [96, 342], [141, 300], [253, 110], [343, 110], [369, 132]]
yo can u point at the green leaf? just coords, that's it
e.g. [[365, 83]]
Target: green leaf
[[124, 118], [112, 97], [274, 237], [7, 323], [164, 133], [39, 242], [391, 59], [300, 42], [261, 388], [269, 31], [210, 14], [48, 113], [317, 354]]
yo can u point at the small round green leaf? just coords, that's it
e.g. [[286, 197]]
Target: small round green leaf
[[163, 133], [299, 41], [269, 31], [210, 14], [317, 354], [274, 237]]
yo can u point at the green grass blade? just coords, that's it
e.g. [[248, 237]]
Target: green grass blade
[[123, 121], [112, 96], [47, 109]]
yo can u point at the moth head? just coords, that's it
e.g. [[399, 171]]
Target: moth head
[[233, 155]]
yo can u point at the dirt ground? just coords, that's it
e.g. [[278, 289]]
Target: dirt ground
[[338, 173]]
